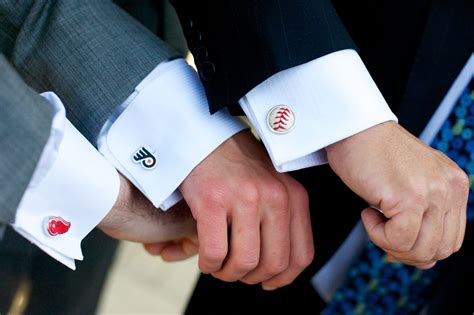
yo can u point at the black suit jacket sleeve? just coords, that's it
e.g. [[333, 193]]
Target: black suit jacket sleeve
[[238, 44]]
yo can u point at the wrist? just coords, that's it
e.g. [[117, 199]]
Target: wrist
[[110, 221], [343, 148]]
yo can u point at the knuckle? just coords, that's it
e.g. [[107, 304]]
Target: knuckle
[[213, 255], [400, 239], [424, 256], [278, 265], [443, 254], [300, 194], [438, 187], [418, 210], [458, 244], [457, 247], [305, 259], [401, 246], [277, 194], [246, 264], [225, 277], [249, 192], [284, 281], [390, 198], [418, 198], [249, 281], [213, 200], [461, 180]]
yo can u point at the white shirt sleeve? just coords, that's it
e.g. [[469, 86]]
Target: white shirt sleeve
[[72, 189], [332, 98], [163, 131]]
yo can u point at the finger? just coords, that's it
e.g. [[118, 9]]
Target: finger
[[462, 222], [450, 235], [398, 233], [212, 234], [426, 266], [154, 249], [391, 259], [301, 243], [176, 251], [244, 249], [402, 229], [275, 246], [429, 239], [452, 220], [374, 224], [462, 229]]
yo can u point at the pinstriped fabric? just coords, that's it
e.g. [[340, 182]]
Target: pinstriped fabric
[[25, 120], [91, 53]]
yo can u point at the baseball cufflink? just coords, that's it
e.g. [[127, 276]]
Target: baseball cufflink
[[281, 119]]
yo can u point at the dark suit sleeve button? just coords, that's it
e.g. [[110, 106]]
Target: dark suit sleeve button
[[201, 54], [207, 70], [195, 38]]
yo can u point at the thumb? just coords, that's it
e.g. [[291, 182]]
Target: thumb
[[374, 223], [155, 249], [180, 250]]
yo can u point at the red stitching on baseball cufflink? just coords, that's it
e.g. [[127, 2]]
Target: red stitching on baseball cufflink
[[282, 115]]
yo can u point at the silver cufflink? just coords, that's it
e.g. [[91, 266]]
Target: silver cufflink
[[281, 119]]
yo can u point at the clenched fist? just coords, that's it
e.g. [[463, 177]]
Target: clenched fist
[[421, 192], [236, 188]]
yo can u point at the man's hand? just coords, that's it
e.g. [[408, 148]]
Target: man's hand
[[270, 238], [171, 234], [422, 193]]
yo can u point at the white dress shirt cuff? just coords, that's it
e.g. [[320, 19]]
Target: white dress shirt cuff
[[332, 98], [72, 181], [163, 131]]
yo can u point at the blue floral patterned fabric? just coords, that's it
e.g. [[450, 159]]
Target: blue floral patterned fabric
[[375, 286]]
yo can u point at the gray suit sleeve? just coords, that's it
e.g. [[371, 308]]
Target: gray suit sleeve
[[25, 124], [90, 52]]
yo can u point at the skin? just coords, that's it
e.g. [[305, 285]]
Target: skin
[[253, 223], [422, 193], [172, 234]]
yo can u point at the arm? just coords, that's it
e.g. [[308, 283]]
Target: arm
[[117, 80], [261, 38], [301, 56], [55, 211], [174, 98]]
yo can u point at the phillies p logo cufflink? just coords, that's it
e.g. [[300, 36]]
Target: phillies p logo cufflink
[[145, 158]]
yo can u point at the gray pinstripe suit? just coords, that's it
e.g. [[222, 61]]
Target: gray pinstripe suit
[[91, 53]]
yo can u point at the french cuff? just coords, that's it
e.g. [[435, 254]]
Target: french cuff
[[300, 111], [164, 131], [71, 191]]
